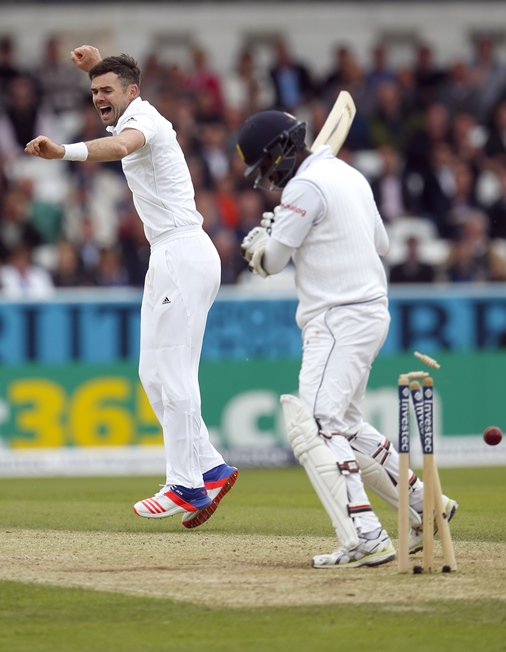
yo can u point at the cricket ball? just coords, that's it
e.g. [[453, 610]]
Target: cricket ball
[[492, 435]]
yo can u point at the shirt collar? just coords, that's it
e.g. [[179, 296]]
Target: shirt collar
[[322, 152], [131, 108]]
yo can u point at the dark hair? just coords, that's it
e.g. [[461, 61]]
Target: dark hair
[[125, 66]]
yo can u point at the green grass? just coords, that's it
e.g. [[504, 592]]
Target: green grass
[[271, 502], [40, 618]]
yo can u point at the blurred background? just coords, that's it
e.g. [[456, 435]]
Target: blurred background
[[429, 83]]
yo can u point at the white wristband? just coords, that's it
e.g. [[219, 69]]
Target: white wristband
[[75, 152]]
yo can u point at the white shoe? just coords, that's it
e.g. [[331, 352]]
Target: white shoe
[[416, 534], [369, 552], [173, 499]]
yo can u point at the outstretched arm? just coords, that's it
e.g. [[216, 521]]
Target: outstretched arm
[[112, 148], [85, 57]]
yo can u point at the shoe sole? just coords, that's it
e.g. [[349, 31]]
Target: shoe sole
[[160, 515], [382, 558], [419, 548], [205, 514]]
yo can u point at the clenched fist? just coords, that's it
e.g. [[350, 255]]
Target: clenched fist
[[44, 147], [85, 57]]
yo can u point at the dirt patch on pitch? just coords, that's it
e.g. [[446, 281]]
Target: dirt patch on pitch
[[238, 570]]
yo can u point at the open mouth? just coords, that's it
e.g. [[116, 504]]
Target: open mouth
[[105, 111]]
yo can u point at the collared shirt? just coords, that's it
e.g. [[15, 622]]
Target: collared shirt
[[157, 173], [329, 218]]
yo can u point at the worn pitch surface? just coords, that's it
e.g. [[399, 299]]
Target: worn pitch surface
[[223, 570]]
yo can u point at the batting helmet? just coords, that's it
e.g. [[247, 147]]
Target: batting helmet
[[274, 137]]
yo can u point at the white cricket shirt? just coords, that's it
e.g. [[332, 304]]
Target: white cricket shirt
[[329, 217], [157, 173]]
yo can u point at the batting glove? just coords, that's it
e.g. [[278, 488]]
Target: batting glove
[[252, 250], [268, 220], [255, 239]]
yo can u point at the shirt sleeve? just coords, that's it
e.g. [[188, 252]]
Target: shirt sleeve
[[276, 256], [302, 205], [143, 123]]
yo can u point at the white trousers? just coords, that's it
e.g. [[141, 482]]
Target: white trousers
[[181, 284], [338, 351]]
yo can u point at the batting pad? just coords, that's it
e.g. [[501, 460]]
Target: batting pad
[[321, 467], [377, 479]]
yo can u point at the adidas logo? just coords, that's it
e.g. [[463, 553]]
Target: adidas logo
[[166, 300]]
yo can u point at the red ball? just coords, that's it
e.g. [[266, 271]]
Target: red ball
[[492, 435]]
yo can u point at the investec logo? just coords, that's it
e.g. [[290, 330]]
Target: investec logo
[[427, 421], [404, 421], [418, 405]]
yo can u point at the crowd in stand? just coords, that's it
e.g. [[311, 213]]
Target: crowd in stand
[[431, 140]]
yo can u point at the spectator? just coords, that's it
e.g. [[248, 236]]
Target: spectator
[[204, 85], [134, 246], [23, 117], [46, 216], [412, 269], [21, 278], [421, 175], [473, 257], [87, 245], [467, 140], [96, 192], [8, 68], [340, 74], [251, 204], [463, 200], [293, 84], [245, 88], [207, 206], [428, 76], [69, 271], [495, 146], [433, 186], [408, 91], [388, 123], [226, 202], [232, 264], [497, 210], [59, 82], [110, 271], [434, 130], [390, 188], [213, 147], [154, 77], [16, 229], [459, 94], [488, 76], [380, 70]]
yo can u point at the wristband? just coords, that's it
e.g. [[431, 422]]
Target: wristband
[[75, 152]]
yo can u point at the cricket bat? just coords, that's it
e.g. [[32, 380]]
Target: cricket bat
[[337, 125]]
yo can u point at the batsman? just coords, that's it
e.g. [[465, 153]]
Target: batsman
[[327, 224]]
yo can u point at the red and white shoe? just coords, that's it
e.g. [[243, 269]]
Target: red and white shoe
[[171, 500], [218, 482]]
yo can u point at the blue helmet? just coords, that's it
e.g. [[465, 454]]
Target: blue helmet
[[271, 137]]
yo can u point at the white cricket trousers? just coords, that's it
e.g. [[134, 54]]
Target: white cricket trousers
[[339, 348], [181, 284]]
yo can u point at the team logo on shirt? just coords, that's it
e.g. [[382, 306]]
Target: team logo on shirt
[[295, 209], [132, 119]]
